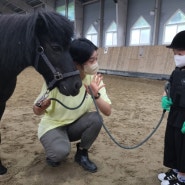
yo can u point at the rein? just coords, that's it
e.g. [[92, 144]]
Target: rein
[[70, 108], [57, 76], [46, 94]]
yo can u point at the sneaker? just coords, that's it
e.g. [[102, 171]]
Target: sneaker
[[172, 182], [169, 175]]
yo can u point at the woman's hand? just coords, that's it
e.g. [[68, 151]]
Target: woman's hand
[[39, 110], [95, 84]]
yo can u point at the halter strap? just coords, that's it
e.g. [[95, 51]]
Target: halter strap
[[57, 76]]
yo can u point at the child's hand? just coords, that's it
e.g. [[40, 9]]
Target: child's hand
[[183, 128], [166, 103]]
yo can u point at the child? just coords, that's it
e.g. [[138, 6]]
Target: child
[[174, 143]]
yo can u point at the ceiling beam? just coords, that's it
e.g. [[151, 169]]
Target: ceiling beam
[[4, 9], [25, 7], [90, 2], [22, 5]]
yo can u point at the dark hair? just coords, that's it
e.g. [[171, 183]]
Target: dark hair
[[81, 50]]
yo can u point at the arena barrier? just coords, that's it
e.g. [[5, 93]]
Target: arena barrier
[[154, 62]]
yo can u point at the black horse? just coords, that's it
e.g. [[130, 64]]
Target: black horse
[[40, 40]]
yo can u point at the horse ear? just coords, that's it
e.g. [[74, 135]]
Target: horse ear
[[40, 27]]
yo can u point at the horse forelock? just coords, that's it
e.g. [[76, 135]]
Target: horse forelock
[[56, 27]]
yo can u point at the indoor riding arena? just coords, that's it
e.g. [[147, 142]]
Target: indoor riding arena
[[136, 111]]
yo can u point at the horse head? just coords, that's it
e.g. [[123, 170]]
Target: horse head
[[53, 36]]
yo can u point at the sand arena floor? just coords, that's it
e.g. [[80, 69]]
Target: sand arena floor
[[136, 109]]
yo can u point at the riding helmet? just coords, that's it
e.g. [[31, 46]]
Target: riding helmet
[[178, 41]]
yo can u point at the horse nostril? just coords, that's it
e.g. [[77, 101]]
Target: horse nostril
[[78, 85]]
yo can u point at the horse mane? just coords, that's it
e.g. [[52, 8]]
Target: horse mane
[[18, 35]]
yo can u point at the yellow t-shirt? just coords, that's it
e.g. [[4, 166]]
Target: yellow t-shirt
[[56, 115]]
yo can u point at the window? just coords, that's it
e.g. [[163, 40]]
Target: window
[[69, 12], [92, 35], [61, 10], [111, 35], [140, 32], [175, 24], [61, 7]]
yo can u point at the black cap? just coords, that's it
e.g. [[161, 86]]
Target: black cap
[[178, 41]]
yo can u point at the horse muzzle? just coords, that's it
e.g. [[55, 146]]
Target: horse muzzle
[[70, 86]]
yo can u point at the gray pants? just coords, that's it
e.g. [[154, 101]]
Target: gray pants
[[57, 142]]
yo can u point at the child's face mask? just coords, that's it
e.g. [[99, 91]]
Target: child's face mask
[[91, 69], [179, 60]]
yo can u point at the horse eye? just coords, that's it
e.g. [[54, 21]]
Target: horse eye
[[56, 48]]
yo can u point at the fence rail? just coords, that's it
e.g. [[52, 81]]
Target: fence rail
[[140, 61]]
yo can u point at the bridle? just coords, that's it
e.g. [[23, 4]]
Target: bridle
[[57, 76]]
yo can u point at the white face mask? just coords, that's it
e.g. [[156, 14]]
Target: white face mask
[[179, 60], [91, 69]]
